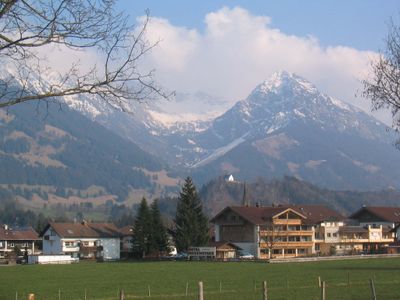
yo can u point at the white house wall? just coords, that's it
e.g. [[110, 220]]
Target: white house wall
[[53, 245], [111, 248]]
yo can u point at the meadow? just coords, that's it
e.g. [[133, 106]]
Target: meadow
[[178, 280]]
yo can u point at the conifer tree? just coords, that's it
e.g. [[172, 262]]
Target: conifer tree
[[159, 239], [190, 221], [143, 229]]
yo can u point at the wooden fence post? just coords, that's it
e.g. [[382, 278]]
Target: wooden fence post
[[323, 292], [149, 290], [121, 294], [187, 288], [220, 287], [59, 294], [16, 295], [371, 281], [265, 291], [319, 281], [201, 296]]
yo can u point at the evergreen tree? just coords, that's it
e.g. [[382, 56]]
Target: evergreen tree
[[190, 221], [143, 229], [159, 238]]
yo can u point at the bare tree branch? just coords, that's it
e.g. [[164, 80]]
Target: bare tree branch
[[29, 25], [383, 89]]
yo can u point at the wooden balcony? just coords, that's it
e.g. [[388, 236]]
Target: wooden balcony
[[287, 221], [364, 240], [288, 244], [287, 233]]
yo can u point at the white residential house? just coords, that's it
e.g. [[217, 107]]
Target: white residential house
[[84, 240], [13, 238], [376, 216]]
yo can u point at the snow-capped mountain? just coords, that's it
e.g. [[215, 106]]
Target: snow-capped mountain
[[286, 126]]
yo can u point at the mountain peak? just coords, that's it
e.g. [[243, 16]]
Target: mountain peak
[[283, 80]]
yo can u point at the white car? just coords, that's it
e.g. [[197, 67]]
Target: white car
[[246, 255]]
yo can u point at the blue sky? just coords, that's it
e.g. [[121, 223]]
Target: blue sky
[[358, 23], [227, 48]]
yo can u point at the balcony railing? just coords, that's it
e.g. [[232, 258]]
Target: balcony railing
[[287, 221]]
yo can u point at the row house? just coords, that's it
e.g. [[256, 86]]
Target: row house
[[24, 239], [84, 240], [299, 230]]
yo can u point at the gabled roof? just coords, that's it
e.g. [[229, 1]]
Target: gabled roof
[[221, 244], [382, 213], [317, 213], [127, 230], [257, 215], [85, 230], [18, 234]]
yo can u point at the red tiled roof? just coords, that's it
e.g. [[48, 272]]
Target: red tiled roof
[[85, 230], [220, 244], [384, 213], [127, 230], [317, 213], [255, 215], [313, 214], [26, 234]]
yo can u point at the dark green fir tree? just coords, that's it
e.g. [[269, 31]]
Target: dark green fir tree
[[159, 238], [190, 221], [143, 229]]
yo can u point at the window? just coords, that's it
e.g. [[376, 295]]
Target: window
[[85, 243], [317, 247], [334, 234], [290, 251], [276, 251], [328, 234], [69, 244], [52, 232], [264, 251]]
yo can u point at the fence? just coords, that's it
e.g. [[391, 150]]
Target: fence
[[274, 289]]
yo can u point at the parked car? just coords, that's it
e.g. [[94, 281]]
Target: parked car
[[246, 255], [181, 256]]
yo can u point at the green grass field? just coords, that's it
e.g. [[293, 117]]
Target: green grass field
[[168, 280]]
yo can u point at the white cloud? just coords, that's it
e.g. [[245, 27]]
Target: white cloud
[[238, 50]]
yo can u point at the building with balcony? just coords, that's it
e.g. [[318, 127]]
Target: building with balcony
[[22, 240], [375, 216], [302, 230], [269, 232], [84, 240]]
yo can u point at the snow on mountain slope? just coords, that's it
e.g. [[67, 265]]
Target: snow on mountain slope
[[286, 125]]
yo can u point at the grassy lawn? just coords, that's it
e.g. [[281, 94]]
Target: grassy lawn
[[168, 280]]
